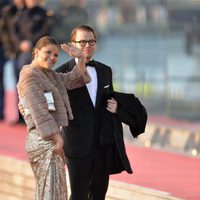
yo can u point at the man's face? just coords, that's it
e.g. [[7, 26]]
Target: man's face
[[86, 42], [32, 3]]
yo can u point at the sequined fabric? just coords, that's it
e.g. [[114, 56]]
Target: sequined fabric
[[48, 168]]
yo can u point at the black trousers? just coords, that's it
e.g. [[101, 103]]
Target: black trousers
[[89, 177]]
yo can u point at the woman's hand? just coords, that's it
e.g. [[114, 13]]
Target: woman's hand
[[72, 50], [112, 105], [58, 141], [75, 52]]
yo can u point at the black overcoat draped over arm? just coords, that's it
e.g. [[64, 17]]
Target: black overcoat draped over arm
[[131, 112]]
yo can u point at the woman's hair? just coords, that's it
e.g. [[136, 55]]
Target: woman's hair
[[82, 28], [43, 42]]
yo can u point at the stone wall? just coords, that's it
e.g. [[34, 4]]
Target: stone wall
[[17, 183]]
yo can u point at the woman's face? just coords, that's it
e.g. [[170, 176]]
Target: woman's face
[[47, 56]]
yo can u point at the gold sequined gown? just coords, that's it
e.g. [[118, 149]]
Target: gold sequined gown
[[48, 168]]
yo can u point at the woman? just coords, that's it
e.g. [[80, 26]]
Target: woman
[[45, 106]]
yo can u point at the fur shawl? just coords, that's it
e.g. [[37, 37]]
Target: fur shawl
[[32, 85]]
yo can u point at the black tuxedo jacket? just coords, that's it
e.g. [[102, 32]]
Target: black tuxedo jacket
[[94, 126], [83, 132]]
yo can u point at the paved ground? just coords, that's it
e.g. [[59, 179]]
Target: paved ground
[[165, 171]]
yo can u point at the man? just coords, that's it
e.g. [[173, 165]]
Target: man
[[10, 52], [3, 4], [31, 24], [92, 149]]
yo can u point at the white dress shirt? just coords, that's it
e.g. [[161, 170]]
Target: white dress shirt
[[92, 85]]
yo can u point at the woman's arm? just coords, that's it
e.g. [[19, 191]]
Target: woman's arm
[[79, 76]]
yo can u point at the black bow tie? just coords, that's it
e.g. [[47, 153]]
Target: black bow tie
[[90, 63]]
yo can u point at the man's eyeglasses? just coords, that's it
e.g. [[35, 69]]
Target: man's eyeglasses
[[84, 42]]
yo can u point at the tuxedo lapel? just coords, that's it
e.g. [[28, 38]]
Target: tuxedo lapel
[[100, 91], [87, 95]]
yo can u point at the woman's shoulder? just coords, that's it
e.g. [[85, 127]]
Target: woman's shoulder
[[28, 72], [27, 77], [28, 69]]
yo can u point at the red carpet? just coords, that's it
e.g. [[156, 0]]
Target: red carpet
[[173, 173]]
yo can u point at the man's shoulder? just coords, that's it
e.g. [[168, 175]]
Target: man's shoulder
[[67, 66], [38, 10], [102, 65], [8, 10]]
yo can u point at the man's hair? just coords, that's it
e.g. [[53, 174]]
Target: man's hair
[[82, 28]]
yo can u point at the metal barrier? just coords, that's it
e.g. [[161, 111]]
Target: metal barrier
[[170, 138]]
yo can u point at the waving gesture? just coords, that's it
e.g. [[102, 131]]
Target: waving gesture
[[72, 50]]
